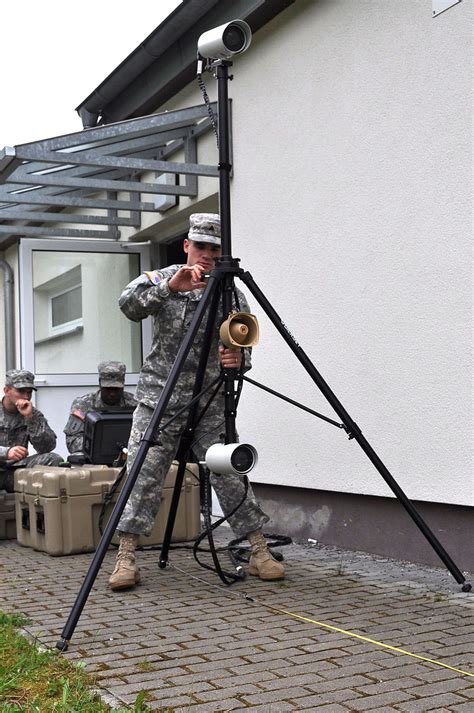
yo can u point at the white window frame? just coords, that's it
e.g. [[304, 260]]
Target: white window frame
[[27, 247]]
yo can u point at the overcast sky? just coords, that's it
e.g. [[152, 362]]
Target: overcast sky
[[54, 53]]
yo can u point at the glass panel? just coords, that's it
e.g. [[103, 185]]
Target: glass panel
[[77, 321], [66, 307]]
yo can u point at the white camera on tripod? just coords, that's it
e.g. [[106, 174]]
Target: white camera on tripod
[[226, 40], [231, 458]]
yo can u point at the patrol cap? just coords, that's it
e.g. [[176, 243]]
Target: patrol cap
[[205, 228], [20, 379], [112, 374]]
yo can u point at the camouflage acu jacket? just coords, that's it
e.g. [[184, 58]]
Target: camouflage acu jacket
[[172, 314], [74, 428], [15, 430]]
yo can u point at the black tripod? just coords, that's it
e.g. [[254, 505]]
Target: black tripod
[[221, 284]]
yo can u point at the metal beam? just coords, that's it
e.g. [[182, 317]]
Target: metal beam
[[97, 184], [51, 232], [87, 158], [143, 126], [137, 144], [43, 217], [8, 161], [66, 200]]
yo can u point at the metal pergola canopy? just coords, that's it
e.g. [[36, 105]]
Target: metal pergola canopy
[[99, 171]]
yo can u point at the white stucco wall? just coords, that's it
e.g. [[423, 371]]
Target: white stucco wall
[[352, 202]]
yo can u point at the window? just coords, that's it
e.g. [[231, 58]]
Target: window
[[77, 322], [58, 302], [64, 294], [66, 308]]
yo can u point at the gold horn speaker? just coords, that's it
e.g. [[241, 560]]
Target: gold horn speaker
[[240, 329]]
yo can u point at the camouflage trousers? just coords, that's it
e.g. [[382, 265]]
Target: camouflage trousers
[[143, 504], [7, 470]]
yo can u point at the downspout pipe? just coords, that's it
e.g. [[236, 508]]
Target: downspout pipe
[[9, 305]]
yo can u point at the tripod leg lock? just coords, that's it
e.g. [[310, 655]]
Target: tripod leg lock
[[352, 430]]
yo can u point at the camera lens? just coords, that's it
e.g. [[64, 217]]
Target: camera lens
[[242, 459], [234, 38]]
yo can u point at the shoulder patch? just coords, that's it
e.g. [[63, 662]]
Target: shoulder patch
[[78, 414], [154, 276]]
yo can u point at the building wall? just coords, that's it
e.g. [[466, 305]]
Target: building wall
[[352, 204]]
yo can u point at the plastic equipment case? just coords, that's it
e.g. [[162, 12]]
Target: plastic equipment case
[[57, 509], [7, 516]]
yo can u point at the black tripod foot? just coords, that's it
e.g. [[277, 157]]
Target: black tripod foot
[[62, 645], [466, 587], [162, 564]]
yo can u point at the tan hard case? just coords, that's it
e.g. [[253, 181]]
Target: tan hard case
[[7, 516], [57, 509]]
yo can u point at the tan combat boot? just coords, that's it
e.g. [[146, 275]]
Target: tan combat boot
[[261, 563], [126, 573]]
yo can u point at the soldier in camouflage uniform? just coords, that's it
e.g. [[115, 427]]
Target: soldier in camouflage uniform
[[21, 423], [170, 296], [109, 397]]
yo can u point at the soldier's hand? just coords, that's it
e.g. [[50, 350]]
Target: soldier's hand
[[188, 278], [17, 453], [24, 407], [230, 358]]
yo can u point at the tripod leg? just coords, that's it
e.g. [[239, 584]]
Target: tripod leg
[[147, 440], [172, 513], [353, 429]]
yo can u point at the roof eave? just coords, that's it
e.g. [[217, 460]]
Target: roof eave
[[166, 61]]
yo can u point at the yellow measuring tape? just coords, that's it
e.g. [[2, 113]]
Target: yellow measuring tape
[[363, 638], [397, 650]]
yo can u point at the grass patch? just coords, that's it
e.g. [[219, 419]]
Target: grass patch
[[145, 666], [42, 681]]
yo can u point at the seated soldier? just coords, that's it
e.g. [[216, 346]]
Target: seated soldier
[[109, 397], [20, 423]]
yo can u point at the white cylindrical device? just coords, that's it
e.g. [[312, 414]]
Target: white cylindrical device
[[225, 41], [231, 458]]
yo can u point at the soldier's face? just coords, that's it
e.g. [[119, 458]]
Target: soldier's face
[[13, 395], [201, 253], [111, 395]]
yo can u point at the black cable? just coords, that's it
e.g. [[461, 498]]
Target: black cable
[[226, 577], [242, 554], [236, 298]]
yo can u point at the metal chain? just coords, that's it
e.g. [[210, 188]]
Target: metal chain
[[205, 95]]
